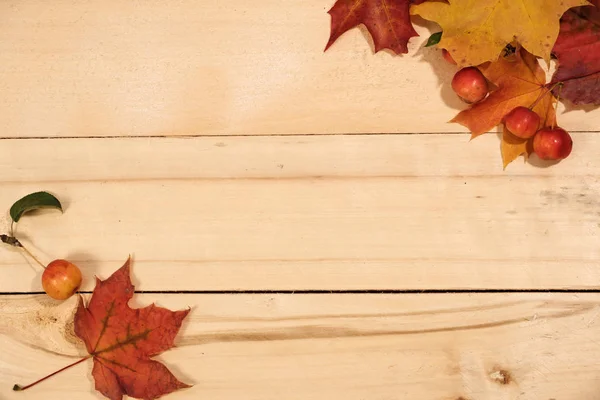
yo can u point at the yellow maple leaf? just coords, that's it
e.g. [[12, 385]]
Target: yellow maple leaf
[[476, 31]]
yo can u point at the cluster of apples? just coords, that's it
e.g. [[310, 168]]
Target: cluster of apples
[[549, 143]]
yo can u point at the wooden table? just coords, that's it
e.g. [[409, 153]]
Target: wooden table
[[334, 236]]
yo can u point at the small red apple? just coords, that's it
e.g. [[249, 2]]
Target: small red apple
[[522, 122], [552, 143], [61, 279], [470, 85]]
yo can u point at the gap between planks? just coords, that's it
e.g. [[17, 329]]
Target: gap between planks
[[233, 136], [350, 292], [287, 135]]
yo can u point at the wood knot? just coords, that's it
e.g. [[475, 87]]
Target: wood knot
[[69, 334], [43, 320], [501, 376]]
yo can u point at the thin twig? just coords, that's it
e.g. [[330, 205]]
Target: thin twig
[[32, 256], [10, 240], [557, 100], [13, 241], [543, 94]]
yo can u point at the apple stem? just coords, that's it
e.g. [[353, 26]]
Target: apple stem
[[557, 100], [18, 387], [543, 94], [13, 241], [32, 256]]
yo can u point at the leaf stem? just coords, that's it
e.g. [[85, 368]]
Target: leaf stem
[[557, 100], [543, 94], [13, 241], [18, 387]]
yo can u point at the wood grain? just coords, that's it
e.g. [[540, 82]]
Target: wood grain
[[329, 213], [446, 347], [183, 67], [215, 142]]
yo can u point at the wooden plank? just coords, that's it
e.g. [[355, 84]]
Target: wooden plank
[[445, 346], [330, 213], [104, 68]]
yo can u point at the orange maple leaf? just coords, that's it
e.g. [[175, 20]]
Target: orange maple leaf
[[121, 340], [388, 21], [519, 81]]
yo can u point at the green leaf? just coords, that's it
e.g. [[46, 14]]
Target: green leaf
[[33, 201], [434, 39]]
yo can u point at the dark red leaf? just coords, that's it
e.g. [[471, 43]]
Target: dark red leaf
[[578, 52], [122, 340], [388, 21]]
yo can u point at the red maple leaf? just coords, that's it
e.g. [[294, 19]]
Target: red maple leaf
[[121, 340], [388, 21], [577, 49]]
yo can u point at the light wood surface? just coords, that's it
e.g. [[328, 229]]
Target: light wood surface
[[186, 67], [329, 213], [218, 144], [443, 346]]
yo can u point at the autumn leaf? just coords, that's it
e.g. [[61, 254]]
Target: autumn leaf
[[122, 340], [388, 22], [520, 81], [578, 51], [476, 31], [512, 147]]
